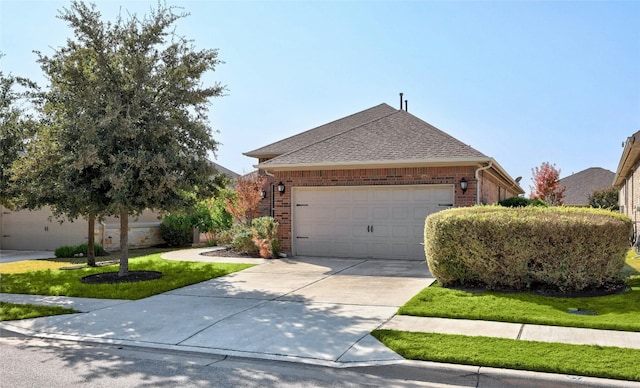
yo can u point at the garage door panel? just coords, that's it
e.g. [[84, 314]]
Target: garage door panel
[[381, 231], [380, 213], [401, 232], [400, 213], [371, 221], [380, 195], [360, 213]]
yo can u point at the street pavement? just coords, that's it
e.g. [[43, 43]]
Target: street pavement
[[310, 310]]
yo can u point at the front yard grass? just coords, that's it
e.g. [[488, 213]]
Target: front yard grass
[[175, 274], [614, 312], [582, 360], [14, 311]]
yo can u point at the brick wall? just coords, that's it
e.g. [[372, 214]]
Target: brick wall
[[629, 200]]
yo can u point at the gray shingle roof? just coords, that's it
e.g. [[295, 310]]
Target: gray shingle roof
[[226, 171], [581, 184], [397, 136], [322, 132]]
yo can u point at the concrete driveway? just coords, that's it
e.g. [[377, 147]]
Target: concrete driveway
[[8, 256], [316, 310]]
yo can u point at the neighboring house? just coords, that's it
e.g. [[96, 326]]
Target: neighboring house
[[361, 186], [581, 185], [223, 170], [627, 179], [39, 230]]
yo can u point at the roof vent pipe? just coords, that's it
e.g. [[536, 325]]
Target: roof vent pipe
[[401, 100], [406, 107]]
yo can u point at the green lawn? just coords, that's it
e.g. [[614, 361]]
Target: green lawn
[[13, 311], [614, 312], [175, 274], [582, 360]]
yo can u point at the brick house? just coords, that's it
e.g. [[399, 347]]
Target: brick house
[[361, 186], [627, 180]]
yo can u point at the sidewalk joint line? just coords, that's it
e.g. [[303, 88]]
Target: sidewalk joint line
[[520, 331]]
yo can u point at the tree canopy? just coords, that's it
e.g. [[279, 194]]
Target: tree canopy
[[16, 127], [605, 199], [125, 125]]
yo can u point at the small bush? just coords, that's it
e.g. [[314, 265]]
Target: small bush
[[243, 239], [265, 236], [68, 251], [567, 249], [521, 202], [177, 230], [97, 249]]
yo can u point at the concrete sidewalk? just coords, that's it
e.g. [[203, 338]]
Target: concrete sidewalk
[[311, 310], [516, 331]]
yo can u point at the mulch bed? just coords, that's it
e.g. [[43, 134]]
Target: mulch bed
[[229, 252], [113, 278]]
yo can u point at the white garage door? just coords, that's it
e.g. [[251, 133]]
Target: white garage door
[[365, 222], [39, 230]]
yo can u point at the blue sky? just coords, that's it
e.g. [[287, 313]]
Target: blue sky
[[522, 82]]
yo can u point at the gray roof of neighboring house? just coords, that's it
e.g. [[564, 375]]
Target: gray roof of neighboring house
[[580, 185], [381, 134], [225, 171]]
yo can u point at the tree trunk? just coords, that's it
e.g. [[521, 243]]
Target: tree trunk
[[124, 243], [91, 244]]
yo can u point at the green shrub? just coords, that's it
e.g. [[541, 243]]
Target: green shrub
[[97, 249], [177, 229], [568, 249], [67, 251], [221, 219], [243, 239], [521, 202], [265, 236]]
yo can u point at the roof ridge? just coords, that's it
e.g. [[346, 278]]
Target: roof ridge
[[343, 132], [300, 134]]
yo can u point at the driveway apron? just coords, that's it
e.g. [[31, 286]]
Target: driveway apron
[[304, 309]]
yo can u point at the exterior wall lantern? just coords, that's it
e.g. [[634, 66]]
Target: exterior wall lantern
[[263, 193], [463, 185], [281, 188]]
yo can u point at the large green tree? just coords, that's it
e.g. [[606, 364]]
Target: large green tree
[[126, 111], [16, 128]]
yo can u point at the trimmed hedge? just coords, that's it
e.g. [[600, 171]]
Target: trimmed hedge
[[567, 249]]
